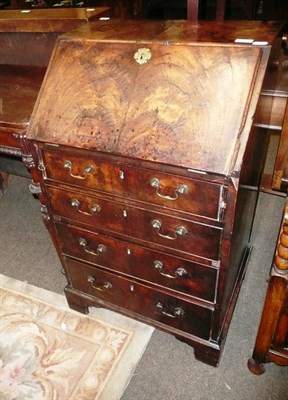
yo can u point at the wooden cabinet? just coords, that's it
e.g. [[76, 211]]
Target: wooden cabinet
[[272, 337], [26, 44], [146, 180], [280, 175], [271, 343]]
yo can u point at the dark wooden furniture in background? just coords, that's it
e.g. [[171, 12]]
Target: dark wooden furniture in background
[[272, 337], [26, 43], [159, 235], [171, 9], [280, 174], [53, 4], [270, 116], [198, 10]]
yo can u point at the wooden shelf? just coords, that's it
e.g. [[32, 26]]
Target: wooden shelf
[[48, 20]]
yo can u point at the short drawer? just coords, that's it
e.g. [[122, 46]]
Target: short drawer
[[82, 169], [140, 299], [161, 269], [160, 229], [171, 191]]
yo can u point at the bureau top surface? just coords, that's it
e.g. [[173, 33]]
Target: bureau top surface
[[178, 31], [187, 104]]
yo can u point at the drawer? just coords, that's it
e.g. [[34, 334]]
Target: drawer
[[136, 261], [82, 169], [171, 191], [140, 299], [93, 211], [159, 229]]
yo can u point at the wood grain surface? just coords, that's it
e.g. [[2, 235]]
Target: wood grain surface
[[185, 106]]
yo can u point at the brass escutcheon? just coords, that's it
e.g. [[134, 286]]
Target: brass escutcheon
[[142, 55]]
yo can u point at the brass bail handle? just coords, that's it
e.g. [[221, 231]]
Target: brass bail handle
[[100, 248], [87, 170], [180, 189], [94, 208], [179, 231], [175, 312], [102, 288], [179, 273]]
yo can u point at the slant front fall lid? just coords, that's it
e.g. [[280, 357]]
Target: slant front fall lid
[[165, 97]]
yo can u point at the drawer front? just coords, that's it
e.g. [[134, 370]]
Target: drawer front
[[94, 211], [136, 261], [159, 229], [140, 299], [83, 170], [172, 191], [183, 194]]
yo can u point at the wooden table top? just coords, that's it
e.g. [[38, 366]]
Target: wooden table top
[[19, 87], [48, 19]]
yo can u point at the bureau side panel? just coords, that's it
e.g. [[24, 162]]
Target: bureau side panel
[[241, 206]]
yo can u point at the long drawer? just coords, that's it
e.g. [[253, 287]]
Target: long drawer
[[140, 299], [172, 191], [190, 278], [160, 229]]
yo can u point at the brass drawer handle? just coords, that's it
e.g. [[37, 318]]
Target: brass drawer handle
[[93, 209], [175, 312], [179, 231], [101, 288], [180, 272], [68, 165], [100, 248], [143, 55], [181, 189]]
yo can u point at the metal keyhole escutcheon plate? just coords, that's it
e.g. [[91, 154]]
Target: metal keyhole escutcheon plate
[[142, 55]]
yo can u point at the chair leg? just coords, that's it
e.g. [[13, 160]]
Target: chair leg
[[3, 181]]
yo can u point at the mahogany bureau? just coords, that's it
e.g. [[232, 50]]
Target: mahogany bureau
[[139, 141]]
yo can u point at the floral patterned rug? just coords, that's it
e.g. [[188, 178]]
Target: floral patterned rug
[[50, 352]]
